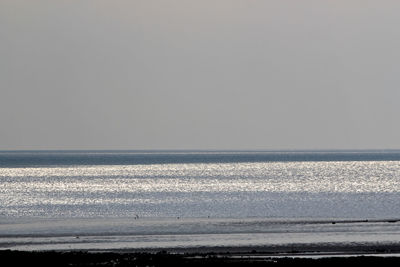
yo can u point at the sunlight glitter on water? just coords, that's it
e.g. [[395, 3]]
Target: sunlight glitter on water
[[194, 186]]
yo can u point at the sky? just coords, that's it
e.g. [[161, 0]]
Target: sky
[[210, 74]]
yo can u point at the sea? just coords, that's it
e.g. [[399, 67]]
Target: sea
[[140, 200]]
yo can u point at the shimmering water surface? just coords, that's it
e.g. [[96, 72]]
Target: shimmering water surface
[[212, 185]]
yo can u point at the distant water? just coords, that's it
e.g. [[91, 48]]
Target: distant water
[[111, 186], [9, 159]]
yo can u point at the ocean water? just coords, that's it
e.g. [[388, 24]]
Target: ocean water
[[162, 199]]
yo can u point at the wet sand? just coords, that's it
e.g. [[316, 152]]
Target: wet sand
[[292, 250], [19, 258], [338, 255]]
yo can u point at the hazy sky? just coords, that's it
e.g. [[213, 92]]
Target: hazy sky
[[209, 74]]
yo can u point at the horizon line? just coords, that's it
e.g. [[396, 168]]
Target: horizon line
[[203, 150]]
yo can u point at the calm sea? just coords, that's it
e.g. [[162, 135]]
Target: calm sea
[[149, 193]]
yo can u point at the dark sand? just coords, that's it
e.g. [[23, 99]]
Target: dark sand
[[223, 256]]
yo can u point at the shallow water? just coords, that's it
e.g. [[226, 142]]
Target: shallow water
[[128, 233]]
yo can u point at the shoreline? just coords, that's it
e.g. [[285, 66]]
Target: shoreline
[[292, 250]]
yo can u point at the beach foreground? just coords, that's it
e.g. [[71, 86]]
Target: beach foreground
[[163, 258]]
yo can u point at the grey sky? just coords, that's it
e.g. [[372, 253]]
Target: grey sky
[[207, 74]]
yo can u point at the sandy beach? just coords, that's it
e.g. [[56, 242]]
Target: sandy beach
[[135, 250]]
